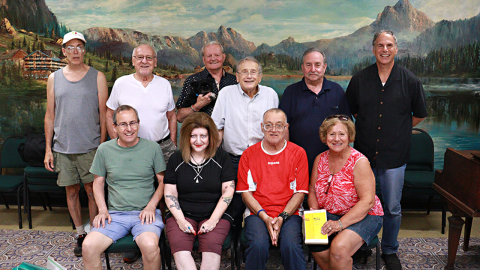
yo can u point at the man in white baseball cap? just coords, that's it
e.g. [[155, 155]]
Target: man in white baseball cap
[[76, 125], [73, 35]]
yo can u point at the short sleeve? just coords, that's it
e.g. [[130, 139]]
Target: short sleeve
[[228, 172], [218, 114], [112, 102], [171, 103], [419, 108], [302, 171], [286, 103], [170, 173], [243, 168], [98, 164], [186, 90], [352, 95]]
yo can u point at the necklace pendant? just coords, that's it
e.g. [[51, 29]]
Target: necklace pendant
[[196, 181]]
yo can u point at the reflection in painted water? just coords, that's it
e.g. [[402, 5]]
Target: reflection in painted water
[[453, 106]]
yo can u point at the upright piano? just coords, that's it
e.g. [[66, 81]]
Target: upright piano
[[459, 185]]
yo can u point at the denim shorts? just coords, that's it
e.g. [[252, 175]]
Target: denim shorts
[[367, 228], [125, 222]]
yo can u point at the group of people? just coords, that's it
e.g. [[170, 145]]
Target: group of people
[[249, 159]]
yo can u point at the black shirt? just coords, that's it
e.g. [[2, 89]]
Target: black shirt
[[226, 80], [198, 200], [384, 114]]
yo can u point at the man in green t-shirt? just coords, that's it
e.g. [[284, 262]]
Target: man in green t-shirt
[[129, 166]]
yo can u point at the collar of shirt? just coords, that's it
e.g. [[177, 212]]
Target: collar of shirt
[[326, 85]]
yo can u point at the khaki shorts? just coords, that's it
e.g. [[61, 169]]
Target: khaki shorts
[[73, 168]]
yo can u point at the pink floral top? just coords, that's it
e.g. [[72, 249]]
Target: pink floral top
[[336, 193]]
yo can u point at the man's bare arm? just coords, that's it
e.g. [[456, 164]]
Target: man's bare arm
[[109, 122], [102, 104], [172, 125], [49, 122]]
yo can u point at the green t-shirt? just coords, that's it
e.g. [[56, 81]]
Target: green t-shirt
[[130, 172]]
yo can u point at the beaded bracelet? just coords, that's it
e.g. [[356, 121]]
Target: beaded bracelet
[[341, 227], [191, 106]]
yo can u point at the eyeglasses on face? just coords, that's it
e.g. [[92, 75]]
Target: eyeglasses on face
[[246, 72], [124, 125], [278, 127], [79, 49], [141, 57], [341, 117]]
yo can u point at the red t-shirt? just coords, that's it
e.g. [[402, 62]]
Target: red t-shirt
[[273, 179]]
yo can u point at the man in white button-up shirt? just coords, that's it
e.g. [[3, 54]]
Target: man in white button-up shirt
[[238, 115]]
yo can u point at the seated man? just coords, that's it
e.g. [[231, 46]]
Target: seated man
[[129, 165], [273, 179]]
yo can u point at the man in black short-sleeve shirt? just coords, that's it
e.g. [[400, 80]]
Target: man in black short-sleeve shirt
[[213, 57], [387, 100]]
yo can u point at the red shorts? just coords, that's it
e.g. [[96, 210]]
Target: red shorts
[[207, 242]]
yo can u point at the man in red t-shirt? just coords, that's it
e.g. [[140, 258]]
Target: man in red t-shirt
[[273, 179]]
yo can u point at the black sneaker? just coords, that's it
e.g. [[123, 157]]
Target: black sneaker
[[392, 262], [78, 248]]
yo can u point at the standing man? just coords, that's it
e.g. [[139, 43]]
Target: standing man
[[129, 166], [152, 96], [238, 115], [308, 102], [387, 100], [213, 57], [77, 127], [273, 180]]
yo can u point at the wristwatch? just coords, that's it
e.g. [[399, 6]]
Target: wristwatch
[[284, 215]]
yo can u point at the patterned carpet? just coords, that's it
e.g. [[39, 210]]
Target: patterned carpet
[[18, 246]]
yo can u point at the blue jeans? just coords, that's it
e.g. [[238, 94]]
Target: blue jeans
[[391, 185], [290, 242]]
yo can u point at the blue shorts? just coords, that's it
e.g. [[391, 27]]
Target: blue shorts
[[367, 228], [125, 222]]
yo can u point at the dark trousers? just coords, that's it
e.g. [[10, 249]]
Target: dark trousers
[[237, 202]]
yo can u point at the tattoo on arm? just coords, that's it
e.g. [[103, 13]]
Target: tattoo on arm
[[233, 185], [174, 200], [227, 200]]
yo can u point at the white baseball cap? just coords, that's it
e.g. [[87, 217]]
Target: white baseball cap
[[73, 35]]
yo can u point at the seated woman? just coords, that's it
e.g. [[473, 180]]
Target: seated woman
[[343, 183], [199, 186]]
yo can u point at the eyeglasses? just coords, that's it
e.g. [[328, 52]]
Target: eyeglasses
[[341, 117], [124, 125], [79, 49], [246, 72], [330, 178], [278, 127], [141, 57]]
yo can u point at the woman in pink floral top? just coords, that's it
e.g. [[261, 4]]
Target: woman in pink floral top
[[343, 183]]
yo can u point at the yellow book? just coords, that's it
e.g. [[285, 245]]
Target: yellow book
[[313, 222]]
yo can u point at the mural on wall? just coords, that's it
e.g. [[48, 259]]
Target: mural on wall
[[438, 40]]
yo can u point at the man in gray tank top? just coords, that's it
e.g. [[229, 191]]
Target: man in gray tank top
[[75, 122]]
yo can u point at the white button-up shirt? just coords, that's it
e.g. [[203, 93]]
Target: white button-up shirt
[[240, 116]]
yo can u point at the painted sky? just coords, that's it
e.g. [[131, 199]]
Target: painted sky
[[269, 21]]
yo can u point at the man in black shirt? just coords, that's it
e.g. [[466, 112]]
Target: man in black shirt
[[213, 57], [387, 100]]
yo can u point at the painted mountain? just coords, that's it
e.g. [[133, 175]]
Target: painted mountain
[[417, 35]]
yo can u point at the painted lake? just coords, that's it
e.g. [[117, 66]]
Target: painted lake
[[453, 107]]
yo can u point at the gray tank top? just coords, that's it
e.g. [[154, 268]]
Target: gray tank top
[[77, 119]]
